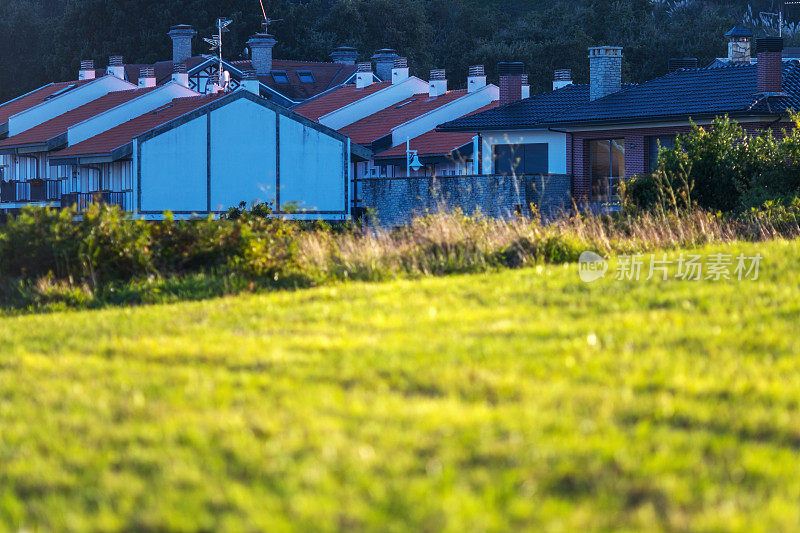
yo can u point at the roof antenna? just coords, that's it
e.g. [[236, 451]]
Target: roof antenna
[[267, 20], [216, 45]]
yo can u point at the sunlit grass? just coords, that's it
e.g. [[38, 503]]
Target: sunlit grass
[[521, 399]]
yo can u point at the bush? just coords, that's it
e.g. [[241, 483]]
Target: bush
[[721, 168]]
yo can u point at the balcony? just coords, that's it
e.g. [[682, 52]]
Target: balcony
[[30, 191], [82, 200]]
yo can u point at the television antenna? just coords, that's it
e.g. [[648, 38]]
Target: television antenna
[[215, 43], [267, 20], [780, 14]]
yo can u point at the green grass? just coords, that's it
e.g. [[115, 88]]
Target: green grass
[[502, 401]]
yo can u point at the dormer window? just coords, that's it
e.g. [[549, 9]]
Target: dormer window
[[280, 76], [306, 76]]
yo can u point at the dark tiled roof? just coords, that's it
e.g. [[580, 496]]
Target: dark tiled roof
[[731, 90], [326, 76], [523, 114], [738, 31]]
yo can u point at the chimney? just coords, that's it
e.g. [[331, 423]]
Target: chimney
[[384, 63], [250, 82], [605, 71], [682, 63], [510, 82], [526, 87], [770, 65], [116, 67], [147, 77], [364, 75], [180, 74], [476, 80], [562, 78], [438, 84], [739, 45], [87, 70], [345, 55], [261, 45], [400, 70], [181, 35]]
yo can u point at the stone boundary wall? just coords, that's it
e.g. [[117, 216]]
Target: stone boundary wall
[[395, 201]]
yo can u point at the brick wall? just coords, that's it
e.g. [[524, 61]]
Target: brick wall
[[636, 151], [396, 201]]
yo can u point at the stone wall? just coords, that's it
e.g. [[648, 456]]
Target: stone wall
[[395, 201]]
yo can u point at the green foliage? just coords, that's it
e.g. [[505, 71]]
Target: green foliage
[[510, 401], [721, 168]]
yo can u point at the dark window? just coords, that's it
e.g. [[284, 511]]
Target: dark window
[[280, 76], [653, 145], [607, 166], [306, 76], [519, 159]]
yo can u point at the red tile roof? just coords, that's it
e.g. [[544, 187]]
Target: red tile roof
[[123, 134], [326, 76], [336, 99], [380, 124], [56, 126], [34, 98], [435, 142]]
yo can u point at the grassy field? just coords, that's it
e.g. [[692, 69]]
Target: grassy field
[[513, 400]]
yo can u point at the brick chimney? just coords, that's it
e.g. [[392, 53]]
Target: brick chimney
[[181, 35], [180, 74], [147, 77], [261, 45], [250, 82], [605, 71], [116, 67], [384, 63], [562, 78], [87, 70], [437, 86], [476, 79], [364, 75], [510, 82], [400, 70], [739, 45], [770, 65], [345, 55]]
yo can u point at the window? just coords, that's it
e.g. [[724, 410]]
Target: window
[[306, 76], [280, 76], [61, 91], [653, 145], [519, 159], [607, 166]]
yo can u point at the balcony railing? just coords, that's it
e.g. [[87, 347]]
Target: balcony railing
[[82, 200], [30, 191]]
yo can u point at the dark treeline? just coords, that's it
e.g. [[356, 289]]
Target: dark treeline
[[46, 39]]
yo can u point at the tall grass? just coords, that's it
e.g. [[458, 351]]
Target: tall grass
[[48, 259]]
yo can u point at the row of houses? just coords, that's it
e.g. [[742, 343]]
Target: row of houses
[[198, 134]]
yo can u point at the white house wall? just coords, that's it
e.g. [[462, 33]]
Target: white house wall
[[373, 103], [243, 155], [313, 167], [556, 152], [122, 113], [457, 108], [233, 148], [68, 101], [173, 169]]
